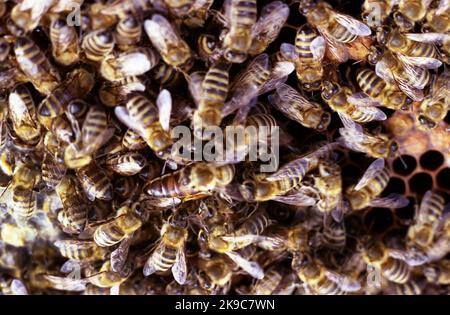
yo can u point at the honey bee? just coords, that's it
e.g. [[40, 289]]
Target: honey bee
[[80, 250], [338, 98], [28, 13], [427, 219], [24, 180], [133, 141], [272, 18], [268, 285], [169, 252], [126, 164], [214, 274], [73, 216], [438, 19], [150, 122], [434, 108], [355, 138], [383, 8], [191, 182], [129, 63], [22, 113], [12, 287], [128, 33], [412, 287], [307, 55], [296, 107], [165, 74], [366, 192], [95, 183], [172, 48], [318, 279], [438, 273], [378, 92], [98, 44], [113, 93], [93, 135], [64, 41], [36, 66], [413, 10], [126, 8], [125, 187], [77, 85], [52, 171], [212, 95]]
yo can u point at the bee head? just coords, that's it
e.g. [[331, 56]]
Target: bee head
[[234, 56]]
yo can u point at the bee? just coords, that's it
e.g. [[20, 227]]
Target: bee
[[119, 228], [126, 164], [438, 273], [355, 138], [438, 19], [126, 8], [412, 287], [64, 39], [297, 108], [434, 108], [98, 44], [191, 182], [133, 141], [24, 180], [169, 252], [240, 17], [95, 183], [212, 95], [73, 216], [375, 12], [413, 10], [151, 122], [206, 45], [125, 187], [12, 287], [35, 65], [28, 13], [272, 18], [366, 192], [93, 135], [22, 113], [165, 74], [307, 55], [128, 33], [393, 269], [172, 48], [267, 286], [52, 171], [320, 280], [427, 218], [334, 235], [214, 273], [378, 92], [77, 85], [80, 250], [129, 63], [113, 93], [338, 98]]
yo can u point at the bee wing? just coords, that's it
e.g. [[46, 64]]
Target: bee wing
[[251, 267], [278, 76], [38, 7], [286, 170], [179, 269], [285, 95], [67, 283], [444, 6], [345, 282], [119, 255], [393, 201], [339, 211], [354, 140], [421, 215], [195, 81], [413, 257], [94, 144], [431, 38], [297, 199], [362, 99], [352, 25], [18, 110], [114, 290], [247, 238], [270, 242], [69, 266], [124, 116], [18, 288], [289, 52], [241, 98], [160, 32], [149, 267], [318, 47], [372, 170], [272, 18], [337, 50], [135, 63], [421, 62], [164, 102]]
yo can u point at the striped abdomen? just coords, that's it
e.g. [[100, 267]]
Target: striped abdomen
[[340, 33], [379, 182], [170, 185], [303, 39], [255, 225], [243, 13], [419, 49], [77, 250], [98, 44], [108, 234], [215, 84], [431, 208], [133, 141], [327, 287], [128, 32], [409, 288], [370, 83], [335, 235], [163, 258], [142, 110], [23, 201], [396, 270], [95, 183]]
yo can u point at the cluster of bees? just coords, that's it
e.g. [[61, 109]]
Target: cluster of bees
[[95, 201]]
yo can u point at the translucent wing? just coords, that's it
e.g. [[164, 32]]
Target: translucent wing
[[179, 269], [18, 110], [272, 18], [194, 81], [362, 99], [124, 116], [352, 25], [413, 256], [135, 63], [69, 266], [431, 38], [241, 97], [164, 102], [251, 267], [67, 283], [444, 5], [372, 170], [421, 62], [296, 199], [345, 282], [115, 290], [150, 267], [278, 76], [120, 254], [161, 33], [336, 49], [318, 47], [18, 288], [289, 52], [392, 201], [99, 141]]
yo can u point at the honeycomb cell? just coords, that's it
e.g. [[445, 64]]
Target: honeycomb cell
[[420, 183], [407, 212], [395, 185], [431, 160], [443, 178], [404, 165], [378, 220]]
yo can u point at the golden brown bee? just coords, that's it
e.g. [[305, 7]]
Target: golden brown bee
[[435, 107], [165, 74], [438, 273], [329, 186], [78, 83], [128, 33], [98, 44], [169, 253], [128, 64], [126, 164], [338, 98], [63, 130], [296, 107], [95, 183], [267, 286], [33, 62], [52, 171], [172, 48], [438, 20], [149, 121], [80, 250], [414, 10], [125, 187], [126, 8], [25, 178], [22, 113], [133, 141], [73, 216], [113, 93], [217, 271], [375, 12], [64, 41], [27, 14]]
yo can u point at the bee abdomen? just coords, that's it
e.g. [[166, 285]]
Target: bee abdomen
[[370, 83], [23, 202], [396, 271], [244, 12]]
